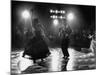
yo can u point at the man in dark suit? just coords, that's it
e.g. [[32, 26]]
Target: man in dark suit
[[64, 33]]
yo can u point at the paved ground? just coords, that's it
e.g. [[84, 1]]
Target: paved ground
[[54, 62]]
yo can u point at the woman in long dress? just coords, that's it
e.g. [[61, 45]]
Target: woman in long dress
[[36, 46]]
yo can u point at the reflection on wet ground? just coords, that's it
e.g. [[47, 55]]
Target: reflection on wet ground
[[54, 62]]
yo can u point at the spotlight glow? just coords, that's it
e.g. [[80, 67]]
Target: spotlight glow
[[51, 11], [56, 11], [53, 16], [55, 22], [25, 14], [70, 16]]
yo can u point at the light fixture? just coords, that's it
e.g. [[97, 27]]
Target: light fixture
[[70, 16], [25, 14], [55, 22]]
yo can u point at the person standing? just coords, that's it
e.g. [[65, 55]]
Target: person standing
[[64, 33]]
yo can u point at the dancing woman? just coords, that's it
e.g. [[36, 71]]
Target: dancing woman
[[36, 46]]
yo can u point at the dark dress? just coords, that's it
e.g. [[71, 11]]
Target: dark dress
[[37, 47]]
